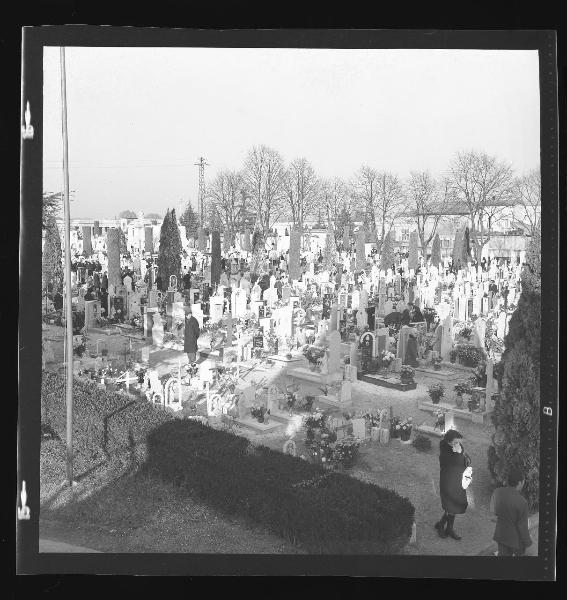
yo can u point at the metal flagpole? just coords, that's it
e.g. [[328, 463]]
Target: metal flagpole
[[69, 312]]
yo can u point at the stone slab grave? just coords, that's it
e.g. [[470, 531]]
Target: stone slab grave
[[247, 399], [314, 376], [462, 413], [443, 375], [392, 383], [437, 431], [342, 399]]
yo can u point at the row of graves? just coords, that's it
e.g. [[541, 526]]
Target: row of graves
[[314, 333]]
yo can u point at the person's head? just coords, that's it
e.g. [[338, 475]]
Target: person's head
[[516, 478], [452, 437], [188, 310]]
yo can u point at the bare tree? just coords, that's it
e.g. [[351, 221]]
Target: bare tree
[[388, 206], [427, 202], [301, 191], [335, 198], [526, 213], [227, 201], [365, 191], [484, 184], [264, 179]]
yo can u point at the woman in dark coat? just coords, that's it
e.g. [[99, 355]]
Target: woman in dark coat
[[453, 461]]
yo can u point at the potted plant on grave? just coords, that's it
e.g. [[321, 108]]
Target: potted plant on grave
[[307, 403], [395, 427], [291, 400], [436, 363], [479, 376], [469, 355], [345, 452], [314, 356], [258, 413], [436, 391], [406, 374], [453, 356], [405, 429], [461, 388]]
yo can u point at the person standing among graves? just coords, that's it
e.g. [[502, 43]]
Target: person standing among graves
[[452, 461], [511, 509], [192, 333], [104, 282], [415, 313]]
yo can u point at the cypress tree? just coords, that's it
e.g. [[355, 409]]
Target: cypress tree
[[387, 256], [52, 258], [466, 247], [170, 249], [190, 221], [413, 259], [516, 440], [435, 259], [215, 258], [457, 249], [330, 249]]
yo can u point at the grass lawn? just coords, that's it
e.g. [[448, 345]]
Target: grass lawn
[[114, 510]]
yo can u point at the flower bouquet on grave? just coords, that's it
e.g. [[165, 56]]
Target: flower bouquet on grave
[[395, 427], [461, 388], [440, 422], [406, 374], [372, 420], [136, 321], [290, 400], [258, 413], [436, 392], [345, 452], [314, 356], [436, 363], [386, 359], [405, 429]]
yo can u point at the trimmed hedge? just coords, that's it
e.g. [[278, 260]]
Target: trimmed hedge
[[324, 512]]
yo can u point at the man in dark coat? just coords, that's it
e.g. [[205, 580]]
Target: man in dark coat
[[416, 314], [406, 317], [104, 282], [453, 461], [511, 510], [186, 279], [192, 333]]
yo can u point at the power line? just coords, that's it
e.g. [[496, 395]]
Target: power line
[[201, 198]]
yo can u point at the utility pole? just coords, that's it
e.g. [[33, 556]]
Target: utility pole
[[201, 198], [69, 311]]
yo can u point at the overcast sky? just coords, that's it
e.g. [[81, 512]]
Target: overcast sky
[[139, 118]]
